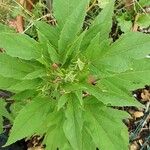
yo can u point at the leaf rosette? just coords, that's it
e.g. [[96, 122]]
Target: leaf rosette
[[70, 77]]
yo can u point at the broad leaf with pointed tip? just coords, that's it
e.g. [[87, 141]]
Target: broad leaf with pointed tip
[[136, 77], [101, 27], [26, 84], [73, 123], [6, 83], [20, 45], [29, 119], [63, 9], [72, 26], [128, 47], [101, 123], [111, 96], [55, 137], [14, 67], [51, 33]]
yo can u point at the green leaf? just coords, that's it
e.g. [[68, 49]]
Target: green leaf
[[51, 33], [20, 45], [104, 20], [73, 51], [14, 67], [96, 48], [53, 54], [101, 26], [23, 95], [73, 123], [144, 3], [80, 64], [3, 113], [143, 20], [5, 83], [123, 23], [36, 74], [138, 76], [45, 59], [132, 45], [117, 96], [16, 107], [87, 142], [103, 3], [26, 84], [5, 28], [72, 26], [79, 95], [63, 9], [55, 137], [116, 88], [106, 128], [111, 98], [71, 87], [62, 101], [29, 119]]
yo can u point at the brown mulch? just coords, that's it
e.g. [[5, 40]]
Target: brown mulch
[[139, 124]]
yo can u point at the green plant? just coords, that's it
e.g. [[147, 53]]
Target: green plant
[[136, 15], [70, 78], [3, 113]]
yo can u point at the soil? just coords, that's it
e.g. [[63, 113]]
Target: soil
[[139, 124]]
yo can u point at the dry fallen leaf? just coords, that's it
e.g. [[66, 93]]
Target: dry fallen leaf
[[138, 114], [134, 146], [36, 148], [145, 95]]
